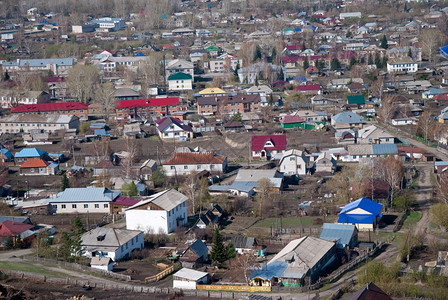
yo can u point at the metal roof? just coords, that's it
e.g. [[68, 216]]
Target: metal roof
[[30, 152], [381, 149], [166, 200], [108, 237], [340, 233], [88, 194], [190, 274], [347, 117], [275, 269], [365, 204]]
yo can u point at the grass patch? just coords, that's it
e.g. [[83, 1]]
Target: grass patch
[[22, 267], [411, 219]]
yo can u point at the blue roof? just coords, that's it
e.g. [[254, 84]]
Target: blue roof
[[101, 132], [341, 233], [274, 269], [382, 149], [347, 117], [353, 218], [58, 155], [444, 51], [97, 125], [441, 163], [243, 186], [365, 204], [7, 153], [30, 152], [88, 194], [53, 165]]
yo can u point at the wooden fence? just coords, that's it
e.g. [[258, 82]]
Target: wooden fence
[[160, 275], [233, 288], [79, 267]]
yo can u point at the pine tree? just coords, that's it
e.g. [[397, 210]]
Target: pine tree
[[335, 64], [410, 52], [384, 42], [230, 251], [273, 54], [6, 77], [257, 53], [130, 189], [303, 46], [370, 60], [218, 253], [306, 63], [378, 62], [235, 72], [256, 81], [405, 7], [353, 61], [65, 182]]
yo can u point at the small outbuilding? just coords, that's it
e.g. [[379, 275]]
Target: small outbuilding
[[102, 263], [188, 279]]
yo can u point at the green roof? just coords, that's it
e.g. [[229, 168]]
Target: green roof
[[356, 99], [180, 76], [212, 48]]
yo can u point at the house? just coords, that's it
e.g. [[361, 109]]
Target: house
[[160, 213], [291, 121], [325, 163], [184, 163], [293, 162], [83, 200], [188, 279], [170, 128], [402, 64], [107, 167], [250, 177], [15, 231], [58, 108], [347, 120], [228, 105], [309, 89], [121, 203], [312, 116], [102, 263], [345, 137], [27, 153], [180, 82], [357, 100], [108, 24], [146, 169], [300, 259], [126, 94], [267, 146], [356, 152], [346, 15], [195, 255], [244, 244], [146, 109], [363, 213], [6, 155], [370, 291], [56, 65], [179, 66], [251, 73], [345, 236], [11, 98], [114, 243], [46, 123], [374, 135], [224, 62], [35, 166], [234, 126]]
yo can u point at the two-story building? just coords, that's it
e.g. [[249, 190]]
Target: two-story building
[[178, 66], [11, 98], [402, 64], [228, 105], [267, 146], [146, 109], [26, 123], [170, 128], [60, 108]]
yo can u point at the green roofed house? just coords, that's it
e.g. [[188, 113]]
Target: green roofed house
[[212, 50], [358, 100], [180, 82]]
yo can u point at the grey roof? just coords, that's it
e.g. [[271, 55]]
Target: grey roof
[[121, 92], [45, 61], [166, 200], [199, 248], [382, 149], [243, 186], [255, 175], [244, 242], [341, 233], [88, 194], [108, 237], [190, 274], [347, 117], [100, 261], [24, 220], [49, 119]]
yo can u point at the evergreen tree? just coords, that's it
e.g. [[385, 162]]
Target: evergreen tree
[[280, 75], [235, 72], [273, 54], [237, 117], [271, 100], [6, 77], [256, 81], [303, 45], [77, 226], [230, 251], [66, 246], [353, 61], [370, 60], [378, 62], [410, 52], [384, 61], [218, 253], [65, 182], [306, 63], [405, 7], [130, 189], [384, 42], [320, 64], [9, 244], [335, 64], [257, 53]]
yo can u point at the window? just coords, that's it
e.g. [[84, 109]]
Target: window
[[199, 167], [97, 206], [73, 205], [32, 170], [172, 168], [292, 158], [106, 205], [63, 206], [185, 167], [86, 206]]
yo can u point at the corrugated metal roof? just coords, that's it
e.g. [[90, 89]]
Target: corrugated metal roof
[[190, 274], [365, 204], [341, 233], [167, 200], [381, 149], [270, 271], [88, 194], [30, 152]]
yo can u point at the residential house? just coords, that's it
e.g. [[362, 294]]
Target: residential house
[[370, 290], [126, 94], [170, 128], [268, 146], [294, 162], [57, 66], [121, 203], [83, 200], [11, 98], [402, 64], [291, 121], [15, 231], [228, 105], [146, 169], [417, 86], [102, 263], [325, 163], [312, 116], [225, 62], [347, 120], [26, 123], [160, 213], [107, 167], [35, 166], [212, 92], [179, 66], [114, 243], [357, 152], [357, 100], [302, 258], [188, 279], [180, 82], [319, 100], [146, 109], [185, 163], [309, 89], [6, 156], [245, 244], [343, 83], [374, 135], [195, 255], [77, 109], [251, 73], [363, 213], [345, 235], [345, 137], [29, 153]]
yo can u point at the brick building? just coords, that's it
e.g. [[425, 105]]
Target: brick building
[[228, 105], [155, 109], [60, 108]]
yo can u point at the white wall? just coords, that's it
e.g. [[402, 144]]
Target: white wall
[[290, 167], [187, 169], [186, 285], [58, 207]]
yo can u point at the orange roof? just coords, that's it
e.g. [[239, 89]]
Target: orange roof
[[191, 158], [34, 163]]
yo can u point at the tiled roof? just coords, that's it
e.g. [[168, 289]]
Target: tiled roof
[[258, 142], [147, 102], [49, 107], [34, 163], [186, 158]]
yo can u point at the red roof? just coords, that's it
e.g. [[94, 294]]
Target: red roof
[[34, 163], [440, 97], [48, 107], [294, 47], [11, 228], [308, 87], [55, 79], [259, 141], [125, 201], [147, 102], [291, 119]]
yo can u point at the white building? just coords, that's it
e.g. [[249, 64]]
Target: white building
[[187, 279], [184, 163], [108, 24], [102, 263], [47, 124], [159, 213], [179, 65], [113, 243], [170, 128], [293, 162], [180, 82], [83, 200], [403, 64]]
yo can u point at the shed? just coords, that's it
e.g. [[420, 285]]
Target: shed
[[188, 279], [102, 263], [344, 235]]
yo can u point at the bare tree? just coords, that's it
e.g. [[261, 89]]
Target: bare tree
[[150, 70], [132, 147], [431, 40], [105, 96], [246, 263], [388, 108], [378, 88], [393, 173], [264, 195], [426, 125], [82, 81], [101, 149]]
